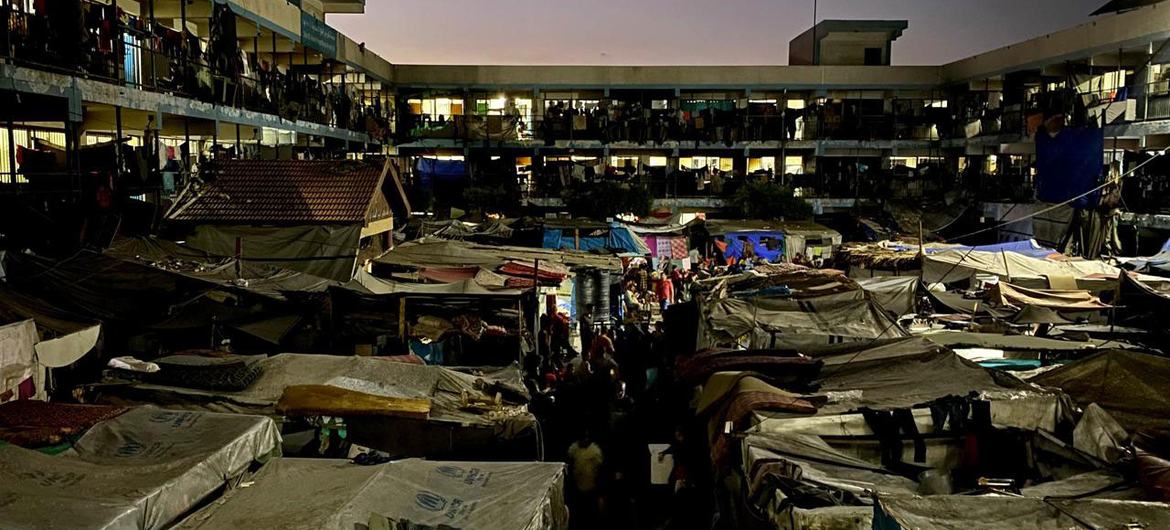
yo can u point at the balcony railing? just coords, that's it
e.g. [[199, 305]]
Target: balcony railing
[[128, 51]]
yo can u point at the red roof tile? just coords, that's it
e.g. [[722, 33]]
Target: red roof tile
[[283, 191]]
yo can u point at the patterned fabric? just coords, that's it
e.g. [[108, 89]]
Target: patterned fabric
[[36, 423]]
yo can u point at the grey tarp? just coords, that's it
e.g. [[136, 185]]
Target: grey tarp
[[267, 280], [364, 282], [963, 339], [1133, 387], [140, 470], [328, 494], [947, 267], [324, 251], [1014, 513], [780, 322], [896, 294], [442, 386], [431, 252]]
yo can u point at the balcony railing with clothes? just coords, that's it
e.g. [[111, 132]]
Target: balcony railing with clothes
[[99, 41], [659, 126]]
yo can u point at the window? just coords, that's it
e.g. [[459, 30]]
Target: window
[[793, 165], [873, 56], [713, 162], [657, 161], [765, 163], [436, 107]]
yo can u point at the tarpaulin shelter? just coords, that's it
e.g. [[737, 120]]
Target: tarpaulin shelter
[[1021, 270], [228, 272], [589, 237], [1134, 387], [448, 427], [1001, 512], [140, 470], [896, 294], [773, 240], [305, 215], [1028, 248], [430, 252], [787, 322], [308, 494], [886, 412]]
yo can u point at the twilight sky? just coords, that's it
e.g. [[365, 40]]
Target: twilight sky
[[683, 32]]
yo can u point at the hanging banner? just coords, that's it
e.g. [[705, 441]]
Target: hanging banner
[[317, 35]]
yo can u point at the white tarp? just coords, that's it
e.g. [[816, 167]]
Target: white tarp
[[1015, 513], [17, 361], [329, 494], [947, 267], [68, 349], [442, 386], [141, 470], [896, 294]]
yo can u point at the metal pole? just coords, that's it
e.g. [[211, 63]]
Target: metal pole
[[11, 152], [536, 306]]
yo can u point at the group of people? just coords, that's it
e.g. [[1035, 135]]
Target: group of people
[[600, 408], [644, 287]]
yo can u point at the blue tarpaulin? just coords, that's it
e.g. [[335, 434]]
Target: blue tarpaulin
[[1028, 248], [431, 170], [1069, 164], [617, 237], [758, 240]]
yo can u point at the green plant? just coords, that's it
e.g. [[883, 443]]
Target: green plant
[[764, 199], [607, 199]]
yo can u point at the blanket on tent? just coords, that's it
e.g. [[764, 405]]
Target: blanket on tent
[[782, 322], [1008, 294], [141, 470], [324, 400]]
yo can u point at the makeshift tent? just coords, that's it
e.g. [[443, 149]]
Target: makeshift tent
[[140, 470], [324, 251], [447, 427], [948, 267], [429, 252], [784, 322], [365, 282], [1133, 387], [331, 495], [1028, 248], [760, 244], [615, 237], [1004, 293], [1001, 512], [1142, 305], [896, 294], [774, 240], [237, 274]]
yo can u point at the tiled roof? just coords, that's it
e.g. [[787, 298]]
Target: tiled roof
[[282, 191]]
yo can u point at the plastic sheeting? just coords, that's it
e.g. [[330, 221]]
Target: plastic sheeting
[[140, 470], [441, 385], [327, 494], [17, 354], [365, 282], [429, 252], [618, 238], [738, 241], [1014, 513], [947, 267], [762, 323], [1133, 387], [1028, 248], [896, 294], [324, 251], [1069, 164]]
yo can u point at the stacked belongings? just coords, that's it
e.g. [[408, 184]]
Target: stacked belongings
[[907, 417], [141, 468], [417, 494], [400, 408]]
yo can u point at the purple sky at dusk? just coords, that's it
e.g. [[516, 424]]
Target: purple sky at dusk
[[683, 32]]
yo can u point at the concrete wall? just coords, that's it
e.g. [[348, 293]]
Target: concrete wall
[[728, 77], [1104, 34], [849, 48]]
